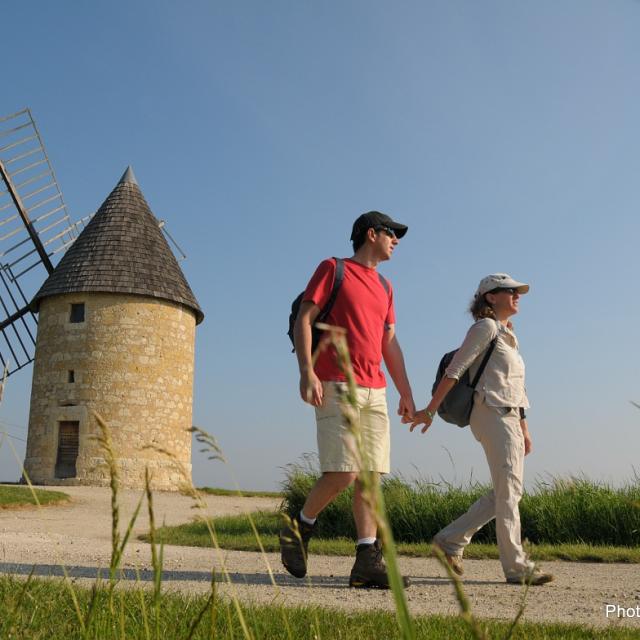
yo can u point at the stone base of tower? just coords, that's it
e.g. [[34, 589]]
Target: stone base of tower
[[165, 475], [129, 365]]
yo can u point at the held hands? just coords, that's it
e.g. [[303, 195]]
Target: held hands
[[406, 408], [420, 417]]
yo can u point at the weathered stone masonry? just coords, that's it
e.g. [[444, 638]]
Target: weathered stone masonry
[[131, 358], [132, 361]]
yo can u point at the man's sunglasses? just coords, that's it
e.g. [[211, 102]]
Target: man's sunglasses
[[388, 230]]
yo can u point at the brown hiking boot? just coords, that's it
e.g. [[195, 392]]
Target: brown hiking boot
[[294, 543], [534, 578], [369, 570], [455, 562]]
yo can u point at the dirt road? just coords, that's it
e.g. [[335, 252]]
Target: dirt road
[[78, 535]]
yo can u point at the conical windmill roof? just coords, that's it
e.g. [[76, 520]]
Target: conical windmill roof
[[121, 250]]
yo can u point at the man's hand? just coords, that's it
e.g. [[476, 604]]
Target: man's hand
[[311, 388], [393, 358], [406, 408]]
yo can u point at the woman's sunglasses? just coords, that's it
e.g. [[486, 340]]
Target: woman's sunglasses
[[510, 290]]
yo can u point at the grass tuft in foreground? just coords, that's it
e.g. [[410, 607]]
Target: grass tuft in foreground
[[43, 610], [235, 532], [19, 496]]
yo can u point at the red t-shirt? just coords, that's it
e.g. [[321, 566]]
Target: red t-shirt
[[363, 307]]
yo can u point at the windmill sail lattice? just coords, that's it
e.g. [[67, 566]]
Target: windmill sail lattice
[[34, 228]]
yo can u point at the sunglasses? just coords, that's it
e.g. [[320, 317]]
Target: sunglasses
[[510, 290], [388, 230]]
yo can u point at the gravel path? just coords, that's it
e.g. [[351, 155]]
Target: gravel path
[[78, 535]]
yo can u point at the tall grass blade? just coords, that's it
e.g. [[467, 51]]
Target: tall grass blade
[[143, 608], [156, 559], [206, 607], [74, 600], [91, 609], [369, 480], [188, 489], [465, 608]]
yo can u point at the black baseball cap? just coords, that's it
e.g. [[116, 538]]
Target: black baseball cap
[[376, 219]]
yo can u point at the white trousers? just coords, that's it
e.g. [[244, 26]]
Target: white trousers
[[498, 431]]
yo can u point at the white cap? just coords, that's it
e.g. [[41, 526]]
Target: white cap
[[500, 281]]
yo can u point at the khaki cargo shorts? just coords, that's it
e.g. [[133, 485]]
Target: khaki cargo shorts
[[337, 447]]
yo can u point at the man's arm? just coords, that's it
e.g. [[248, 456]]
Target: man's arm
[[394, 360], [310, 385]]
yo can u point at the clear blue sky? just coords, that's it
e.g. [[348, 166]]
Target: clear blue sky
[[504, 134]]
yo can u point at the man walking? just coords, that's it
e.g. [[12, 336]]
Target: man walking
[[364, 307]]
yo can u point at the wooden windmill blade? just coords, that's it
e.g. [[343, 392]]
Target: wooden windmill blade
[[34, 227]]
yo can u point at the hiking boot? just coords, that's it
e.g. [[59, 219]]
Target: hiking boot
[[455, 562], [369, 570], [534, 578], [294, 543]]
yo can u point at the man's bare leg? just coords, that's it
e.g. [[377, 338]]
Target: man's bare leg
[[329, 485], [365, 520]]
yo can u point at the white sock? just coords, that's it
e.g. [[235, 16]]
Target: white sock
[[366, 540], [304, 518]]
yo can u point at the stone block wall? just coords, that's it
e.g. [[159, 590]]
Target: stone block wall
[[132, 361]]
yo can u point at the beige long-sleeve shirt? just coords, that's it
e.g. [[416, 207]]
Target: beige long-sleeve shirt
[[502, 382]]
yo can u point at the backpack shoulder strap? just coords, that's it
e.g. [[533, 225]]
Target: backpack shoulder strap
[[337, 283], [483, 364], [384, 282]]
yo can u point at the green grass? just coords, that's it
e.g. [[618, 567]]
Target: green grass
[[18, 496], [562, 511], [44, 610], [234, 532], [214, 491]]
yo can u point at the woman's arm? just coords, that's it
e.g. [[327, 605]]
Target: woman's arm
[[478, 337], [476, 341], [426, 416]]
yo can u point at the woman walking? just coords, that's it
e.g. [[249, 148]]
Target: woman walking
[[498, 421]]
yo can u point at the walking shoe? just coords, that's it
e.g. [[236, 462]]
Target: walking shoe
[[534, 578], [294, 543], [455, 562], [369, 570]]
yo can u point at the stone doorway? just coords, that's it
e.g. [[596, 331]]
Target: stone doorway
[[68, 445]]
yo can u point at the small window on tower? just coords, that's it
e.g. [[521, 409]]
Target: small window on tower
[[72, 375], [77, 312]]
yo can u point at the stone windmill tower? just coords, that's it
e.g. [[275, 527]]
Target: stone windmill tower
[[116, 334]]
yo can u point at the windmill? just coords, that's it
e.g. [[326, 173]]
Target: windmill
[[115, 333], [34, 228]]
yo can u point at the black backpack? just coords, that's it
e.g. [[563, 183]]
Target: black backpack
[[458, 403], [322, 316]]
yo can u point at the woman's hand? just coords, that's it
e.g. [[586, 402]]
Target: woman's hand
[[528, 445], [420, 417]]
